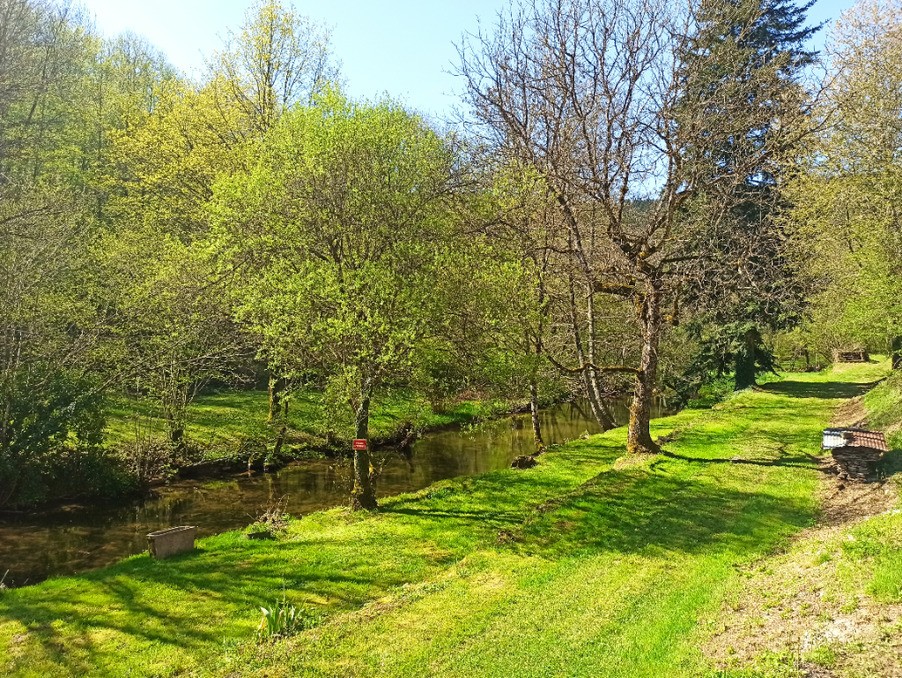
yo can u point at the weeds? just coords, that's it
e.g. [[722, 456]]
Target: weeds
[[270, 523], [283, 620]]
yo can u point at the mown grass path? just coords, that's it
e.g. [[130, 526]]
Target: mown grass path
[[581, 566]]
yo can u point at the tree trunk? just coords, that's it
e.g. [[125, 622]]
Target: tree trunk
[[596, 403], [897, 352], [534, 413], [599, 409], [276, 387], [362, 495], [745, 360], [589, 376], [176, 421], [639, 435], [276, 450], [176, 435]]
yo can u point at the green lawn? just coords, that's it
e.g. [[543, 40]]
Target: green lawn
[[219, 422], [589, 564]]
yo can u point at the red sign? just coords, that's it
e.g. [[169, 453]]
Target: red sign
[[359, 444]]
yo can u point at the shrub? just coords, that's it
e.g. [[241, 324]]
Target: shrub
[[50, 442]]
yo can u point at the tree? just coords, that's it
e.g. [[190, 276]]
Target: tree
[[170, 327], [741, 281], [592, 96], [120, 92], [50, 337], [340, 235], [44, 55], [161, 171], [278, 59], [848, 186], [50, 325]]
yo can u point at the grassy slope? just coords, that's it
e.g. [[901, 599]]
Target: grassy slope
[[581, 566], [219, 422], [884, 409], [883, 535], [830, 606], [833, 602]]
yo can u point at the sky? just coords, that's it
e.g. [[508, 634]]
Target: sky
[[405, 48]]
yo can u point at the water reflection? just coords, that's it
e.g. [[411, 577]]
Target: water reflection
[[77, 539]]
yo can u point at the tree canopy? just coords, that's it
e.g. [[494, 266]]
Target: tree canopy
[[641, 200]]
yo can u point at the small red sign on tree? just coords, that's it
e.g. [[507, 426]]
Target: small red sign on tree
[[359, 444]]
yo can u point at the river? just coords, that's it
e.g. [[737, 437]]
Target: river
[[76, 538]]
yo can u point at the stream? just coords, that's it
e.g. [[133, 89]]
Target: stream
[[76, 538]]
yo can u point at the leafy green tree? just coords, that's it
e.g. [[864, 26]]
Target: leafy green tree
[[341, 235], [50, 338], [170, 327], [45, 54], [121, 90], [51, 325], [848, 188], [162, 170], [279, 58]]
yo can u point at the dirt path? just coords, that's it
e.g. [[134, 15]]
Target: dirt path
[[808, 610]]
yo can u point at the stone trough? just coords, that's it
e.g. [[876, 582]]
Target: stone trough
[[172, 541]]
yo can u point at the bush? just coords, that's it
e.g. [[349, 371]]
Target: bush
[[269, 523], [50, 439]]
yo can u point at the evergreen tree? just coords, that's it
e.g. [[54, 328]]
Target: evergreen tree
[[740, 282]]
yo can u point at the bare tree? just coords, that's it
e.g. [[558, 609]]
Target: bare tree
[[593, 96]]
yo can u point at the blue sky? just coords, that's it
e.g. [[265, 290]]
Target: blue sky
[[402, 47]]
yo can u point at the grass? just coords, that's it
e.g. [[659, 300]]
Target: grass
[[884, 409], [218, 423], [589, 564], [833, 601], [883, 534], [874, 548]]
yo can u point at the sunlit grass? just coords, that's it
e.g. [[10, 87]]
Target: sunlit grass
[[584, 565]]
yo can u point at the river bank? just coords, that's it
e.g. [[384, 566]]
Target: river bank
[[226, 433], [73, 538], [591, 563]]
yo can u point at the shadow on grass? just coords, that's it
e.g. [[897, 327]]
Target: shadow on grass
[[638, 511], [180, 609], [825, 390], [806, 461], [891, 464]]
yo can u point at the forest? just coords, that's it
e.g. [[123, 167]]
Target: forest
[[716, 200]]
